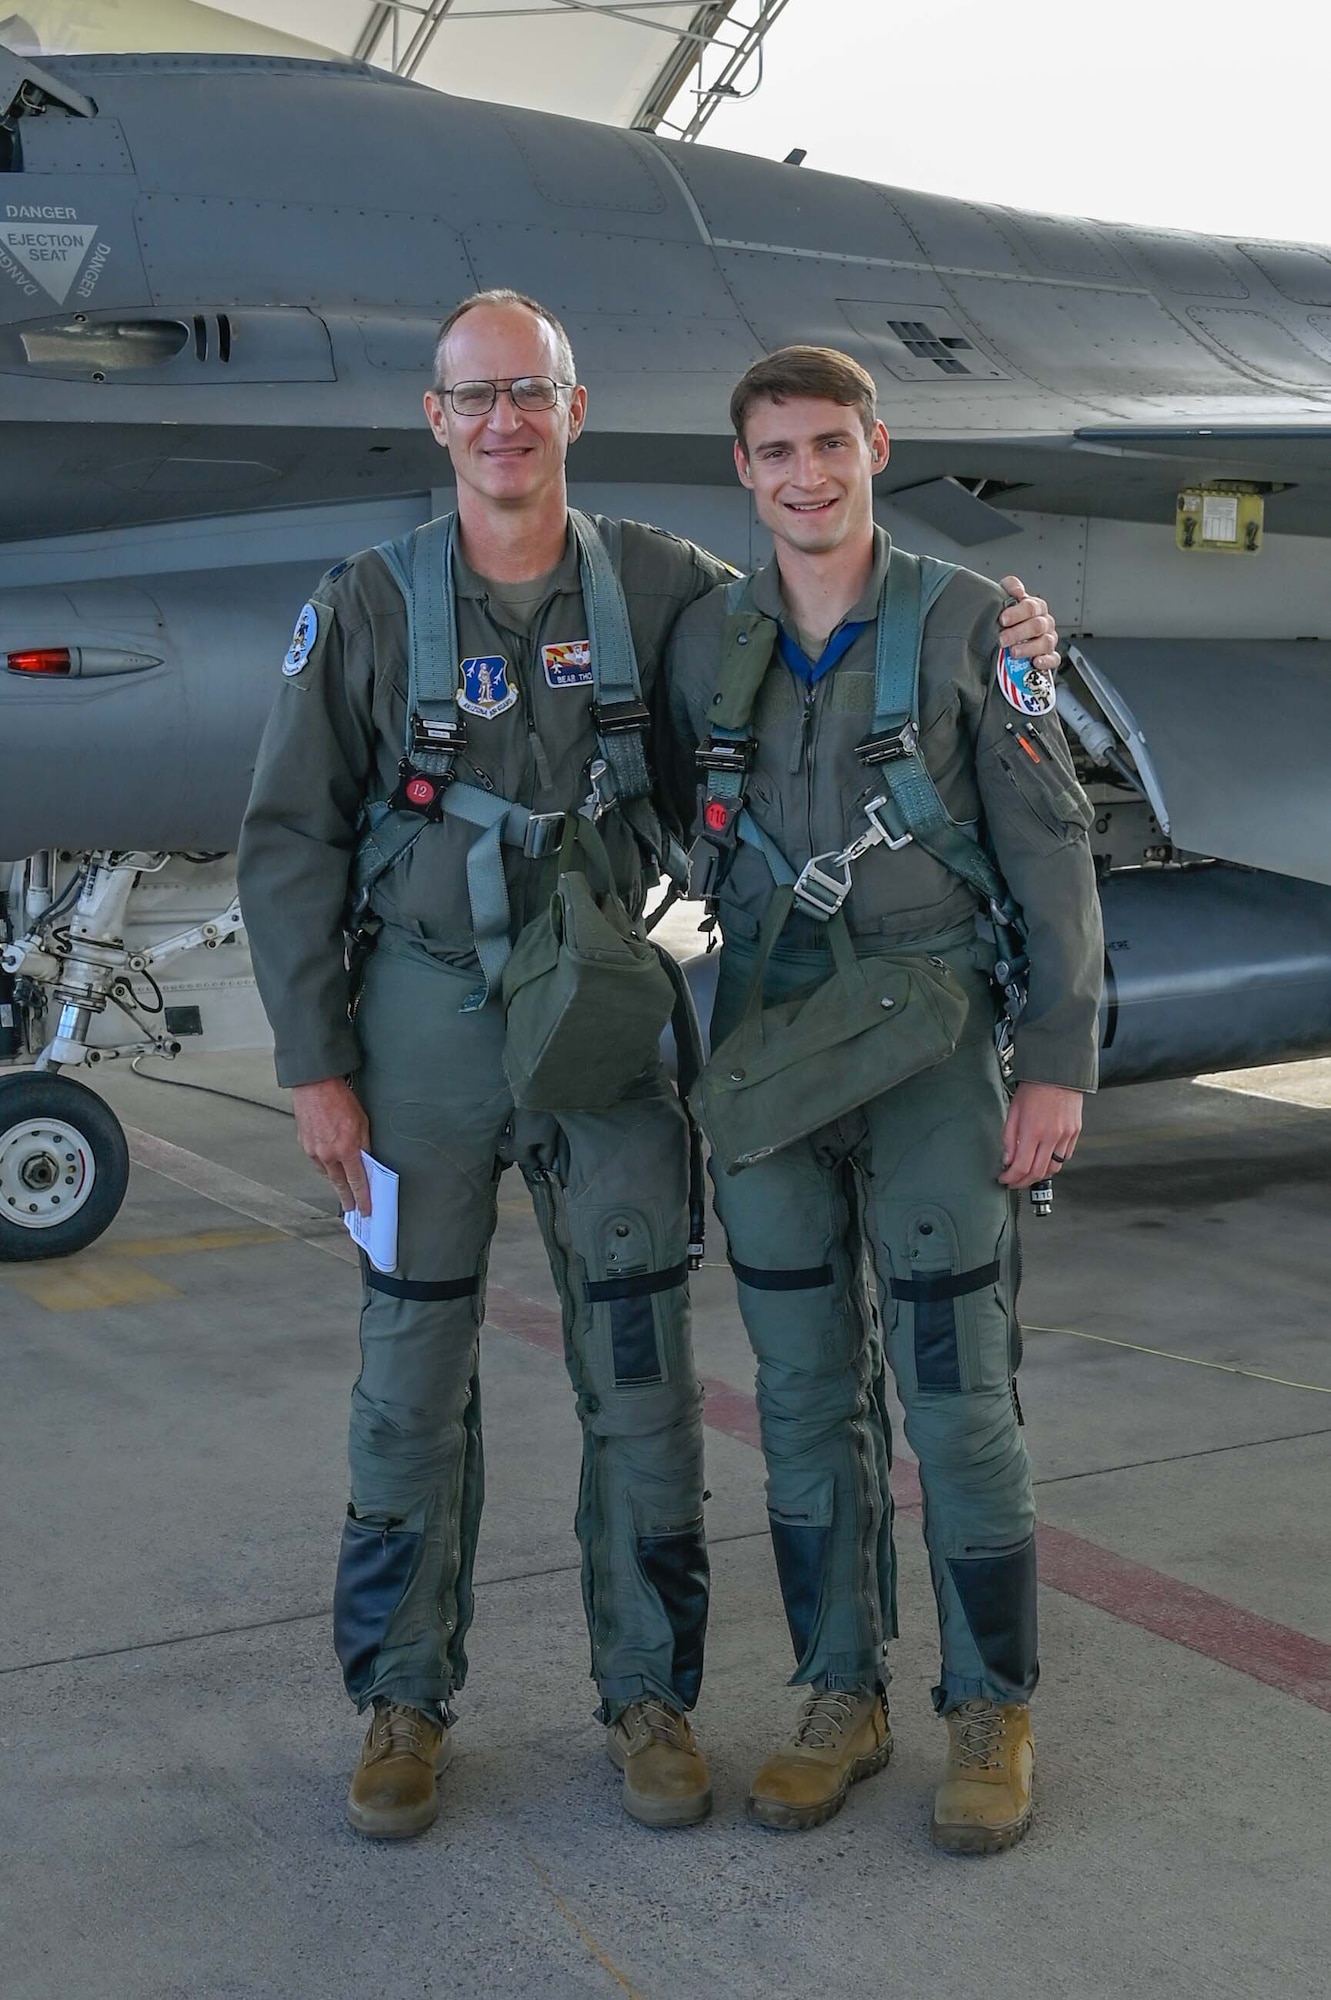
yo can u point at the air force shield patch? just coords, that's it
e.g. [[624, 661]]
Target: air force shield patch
[[1027, 688], [302, 641], [485, 690]]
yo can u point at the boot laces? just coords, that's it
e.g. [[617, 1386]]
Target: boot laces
[[663, 1722], [825, 1716], [979, 1735], [401, 1730]]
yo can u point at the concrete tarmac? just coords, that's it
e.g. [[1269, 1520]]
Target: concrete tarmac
[[175, 1744]]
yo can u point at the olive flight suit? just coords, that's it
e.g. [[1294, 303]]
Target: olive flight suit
[[609, 1188], [907, 1183]]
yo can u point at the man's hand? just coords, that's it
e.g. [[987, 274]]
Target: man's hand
[[332, 1127], [1043, 1125], [1027, 628]]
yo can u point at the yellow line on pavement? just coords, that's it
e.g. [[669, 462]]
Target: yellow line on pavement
[[87, 1283], [1164, 1354], [580, 1929], [202, 1239]]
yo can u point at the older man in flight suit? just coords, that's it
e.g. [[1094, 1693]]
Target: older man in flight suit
[[921, 1179], [417, 1078]]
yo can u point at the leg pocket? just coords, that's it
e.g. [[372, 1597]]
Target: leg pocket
[[952, 1323]]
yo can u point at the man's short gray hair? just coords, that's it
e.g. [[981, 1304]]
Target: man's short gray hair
[[502, 295]]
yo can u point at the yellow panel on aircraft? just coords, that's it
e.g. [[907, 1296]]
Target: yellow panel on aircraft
[[1226, 519]]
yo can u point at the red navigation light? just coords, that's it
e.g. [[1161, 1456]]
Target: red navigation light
[[41, 660]]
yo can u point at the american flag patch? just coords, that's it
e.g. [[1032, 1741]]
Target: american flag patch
[[1023, 686]]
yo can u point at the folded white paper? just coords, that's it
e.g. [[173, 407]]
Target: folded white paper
[[376, 1233]]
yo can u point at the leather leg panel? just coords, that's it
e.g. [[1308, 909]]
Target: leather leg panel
[[374, 1569], [676, 1566]]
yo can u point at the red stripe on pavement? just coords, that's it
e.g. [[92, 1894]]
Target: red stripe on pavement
[[1276, 1655]]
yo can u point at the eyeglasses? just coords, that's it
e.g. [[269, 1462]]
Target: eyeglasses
[[525, 392]]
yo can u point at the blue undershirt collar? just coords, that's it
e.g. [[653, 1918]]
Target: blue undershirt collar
[[812, 671]]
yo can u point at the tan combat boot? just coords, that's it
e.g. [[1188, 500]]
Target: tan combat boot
[[984, 1802], [840, 1738], [394, 1793], [666, 1780]]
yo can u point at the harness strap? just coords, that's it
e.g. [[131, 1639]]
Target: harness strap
[[910, 589], [619, 713], [421, 564]]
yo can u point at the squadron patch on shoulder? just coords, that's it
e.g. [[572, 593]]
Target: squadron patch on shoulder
[[302, 641], [485, 690], [1024, 686], [568, 665]]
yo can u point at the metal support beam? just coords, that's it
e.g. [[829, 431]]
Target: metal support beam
[[415, 23], [405, 61], [651, 114], [707, 21]]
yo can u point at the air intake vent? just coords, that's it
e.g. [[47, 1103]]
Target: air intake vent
[[919, 343], [942, 350]]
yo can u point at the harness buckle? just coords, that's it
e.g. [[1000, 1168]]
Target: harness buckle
[[818, 892], [426, 735], [889, 745], [420, 792], [873, 812], [542, 834], [617, 718], [734, 758], [718, 821]]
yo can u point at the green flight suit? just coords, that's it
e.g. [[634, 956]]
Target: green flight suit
[[610, 1188], [907, 1183]]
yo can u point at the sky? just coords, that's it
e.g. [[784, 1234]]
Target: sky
[[1209, 117]]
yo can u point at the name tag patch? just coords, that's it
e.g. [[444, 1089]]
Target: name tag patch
[[568, 665], [302, 641], [485, 689], [1027, 688]]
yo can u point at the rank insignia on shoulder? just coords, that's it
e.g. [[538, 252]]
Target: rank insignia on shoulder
[[302, 641], [1024, 686], [485, 689], [568, 665]]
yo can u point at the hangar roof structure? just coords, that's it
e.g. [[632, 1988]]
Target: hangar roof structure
[[657, 65]]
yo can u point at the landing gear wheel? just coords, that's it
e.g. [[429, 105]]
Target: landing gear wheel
[[64, 1166]]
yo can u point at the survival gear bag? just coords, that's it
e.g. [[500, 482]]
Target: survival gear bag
[[787, 1069], [587, 996]]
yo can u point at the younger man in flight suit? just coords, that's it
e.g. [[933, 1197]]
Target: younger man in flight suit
[[923, 1178]]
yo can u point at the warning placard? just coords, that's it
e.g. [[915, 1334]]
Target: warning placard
[[53, 252]]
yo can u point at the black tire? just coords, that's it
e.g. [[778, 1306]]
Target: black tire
[[59, 1143]]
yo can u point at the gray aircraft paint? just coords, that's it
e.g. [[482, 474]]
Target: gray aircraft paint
[[218, 299]]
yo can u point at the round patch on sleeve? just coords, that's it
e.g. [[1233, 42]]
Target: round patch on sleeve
[[302, 641], [1024, 686]]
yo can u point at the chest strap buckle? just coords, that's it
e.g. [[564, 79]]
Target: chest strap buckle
[[824, 882], [616, 718], [732, 758], [437, 735], [891, 744]]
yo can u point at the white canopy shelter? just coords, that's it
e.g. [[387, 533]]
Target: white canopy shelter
[[659, 65]]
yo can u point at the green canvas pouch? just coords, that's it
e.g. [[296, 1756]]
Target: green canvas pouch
[[585, 994], [788, 1069]]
